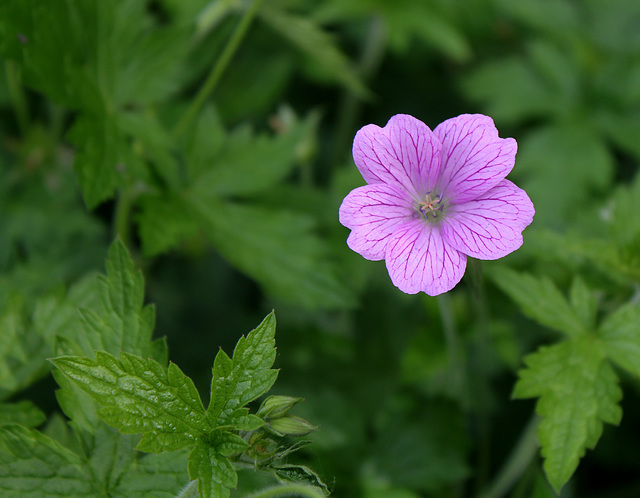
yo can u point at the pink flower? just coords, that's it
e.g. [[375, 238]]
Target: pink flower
[[433, 198]]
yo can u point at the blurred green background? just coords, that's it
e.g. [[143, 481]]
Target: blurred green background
[[233, 212]]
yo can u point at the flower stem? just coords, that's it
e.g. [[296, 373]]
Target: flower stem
[[368, 64], [190, 490], [289, 490], [458, 377], [479, 371], [122, 215], [217, 70], [18, 96], [516, 463]]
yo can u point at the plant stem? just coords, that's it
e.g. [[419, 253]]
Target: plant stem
[[18, 97], [370, 61], [121, 218], [458, 377], [190, 490], [289, 490], [479, 371], [217, 70], [516, 463]]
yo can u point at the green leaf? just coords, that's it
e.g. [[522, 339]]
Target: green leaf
[[214, 472], [325, 57], [102, 151], [248, 163], [140, 396], [23, 413], [578, 392], [121, 321], [33, 465], [562, 166], [511, 90], [163, 475], [540, 299], [277, 248], [584, 303], [22, 352], [247, 376], [164, 223], [620, 334]]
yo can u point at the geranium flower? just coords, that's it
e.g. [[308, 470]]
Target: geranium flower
[[433, 198]]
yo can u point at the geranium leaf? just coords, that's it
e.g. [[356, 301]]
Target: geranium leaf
[[540, 299], [139, 396], [578, 393], [247, 376]]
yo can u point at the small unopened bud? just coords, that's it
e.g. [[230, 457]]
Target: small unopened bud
[[291, 426], [277, 406]]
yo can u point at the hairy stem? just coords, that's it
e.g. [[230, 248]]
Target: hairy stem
[[190, 490], [458, 376], [478, 365], [216, 71], [517, 462], [369, 63]]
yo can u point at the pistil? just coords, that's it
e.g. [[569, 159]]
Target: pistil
[[431, 206]]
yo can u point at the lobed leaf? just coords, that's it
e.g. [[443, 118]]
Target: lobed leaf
[[121, 321], [540, 300], [141, 396], [34, 465], [578, 393], [214, 472], [620, 334], [23, 413], [244, 378]]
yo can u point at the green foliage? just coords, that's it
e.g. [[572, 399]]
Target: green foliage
[[225, 196], [578, 391], [23, 413], [139, 396], [541, 300]]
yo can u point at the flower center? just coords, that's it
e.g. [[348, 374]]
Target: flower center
[[431, 206]]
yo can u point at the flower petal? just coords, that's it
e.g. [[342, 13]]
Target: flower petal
[[490, 226], [474, 159], [373, 212], [418, 259], [404, 153]]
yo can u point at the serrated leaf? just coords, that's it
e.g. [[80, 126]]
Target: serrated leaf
[[163, 475], [249, 163], [317, 45], [22, 352], [584, 302], [33, 465], [121, 321], [247, 376], [110, 456], [138, 396], [277, 248], [578, 393], [101, 150], [242, 420], [620, 334], [540, 299], [214, 472], [23, 413], [164, 221]]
